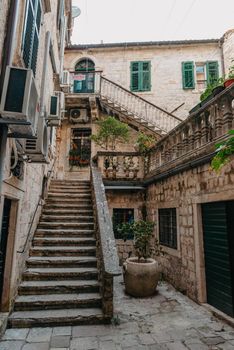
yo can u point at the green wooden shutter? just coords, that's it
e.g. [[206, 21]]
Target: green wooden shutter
[[212, 71], [135, 73], [31, 33], [28, 36], [188, 75], [145, 76], [140, 76]]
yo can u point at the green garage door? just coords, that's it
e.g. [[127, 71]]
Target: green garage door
[[218, 226]]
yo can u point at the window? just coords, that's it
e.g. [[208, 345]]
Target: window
[[199, 74], [121, 216], [31, 33], [140, 76], [168, 227], [188, 75]]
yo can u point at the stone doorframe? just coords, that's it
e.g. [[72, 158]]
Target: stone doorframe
[[198, 237], [6, 295]]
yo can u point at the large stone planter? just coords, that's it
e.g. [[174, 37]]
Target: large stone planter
[[141, 278]]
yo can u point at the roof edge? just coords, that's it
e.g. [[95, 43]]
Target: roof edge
[[144, 43]]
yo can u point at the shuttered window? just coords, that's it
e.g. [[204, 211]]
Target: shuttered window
[[31, 33], [212, 71], [188, 75], [140, 76], [168, 227]]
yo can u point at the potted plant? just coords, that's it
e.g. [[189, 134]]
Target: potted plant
[[141, 273], [218, 86], [230, 79]]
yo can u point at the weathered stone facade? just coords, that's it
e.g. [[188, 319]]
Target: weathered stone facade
[[166, 91], [26, 190], [186, 191]]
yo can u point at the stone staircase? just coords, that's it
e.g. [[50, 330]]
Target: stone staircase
[[60, 283]]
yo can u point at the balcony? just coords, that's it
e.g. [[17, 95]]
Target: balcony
[[121, 166]]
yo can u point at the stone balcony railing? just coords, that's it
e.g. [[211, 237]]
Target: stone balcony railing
[[195, 137], [121, 165]]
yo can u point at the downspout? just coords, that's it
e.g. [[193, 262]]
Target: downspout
[[62, 48], [44, 74], [221, 41], [8, 53]]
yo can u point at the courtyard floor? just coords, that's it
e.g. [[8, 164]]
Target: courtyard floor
[[167, 321]]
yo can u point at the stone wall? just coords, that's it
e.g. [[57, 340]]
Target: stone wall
[[4, 5], [184, 267], [25, 192], [125, 199], [228, 49], [166, 75]]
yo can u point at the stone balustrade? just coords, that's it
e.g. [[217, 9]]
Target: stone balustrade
[[196, 136], [121, 165]]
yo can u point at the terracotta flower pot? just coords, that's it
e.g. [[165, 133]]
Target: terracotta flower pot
[[141, 278], [228, 82]]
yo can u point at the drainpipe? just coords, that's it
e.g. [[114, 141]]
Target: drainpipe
[[221, 41], [62, 48], [44, 73], [8, 53]]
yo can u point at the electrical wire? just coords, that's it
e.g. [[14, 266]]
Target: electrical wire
[[185, 16]]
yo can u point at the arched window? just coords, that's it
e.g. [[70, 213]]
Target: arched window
[[85, 65], [84, 77]]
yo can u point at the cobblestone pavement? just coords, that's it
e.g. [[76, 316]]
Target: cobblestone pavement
[[167, 321]]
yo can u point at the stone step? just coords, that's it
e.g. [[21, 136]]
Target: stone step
[[62, 251], [60, 273], [67, 206], [57, 301], [71, 218], [68, 212], [66, 225], [70, 183], [52, 318], [69, 195], [58, 287], [69, 190], [63, 241], [66, 261], [66, 201], [65, 233]]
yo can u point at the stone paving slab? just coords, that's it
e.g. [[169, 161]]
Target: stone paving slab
[[166, 321]]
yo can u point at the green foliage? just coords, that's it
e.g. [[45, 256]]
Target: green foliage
[[110, 131], [231, 71], [143, 233], [125, 230], [210, 88], [144, 143], [225, 150]]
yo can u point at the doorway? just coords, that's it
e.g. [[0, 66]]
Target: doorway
[[218, 236], [84, 77], [3, 242]]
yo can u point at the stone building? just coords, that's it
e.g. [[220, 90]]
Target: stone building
[[33, 35], [66, 275]]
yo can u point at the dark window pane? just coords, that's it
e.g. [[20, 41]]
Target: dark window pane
[[168, 227], [121, 216]]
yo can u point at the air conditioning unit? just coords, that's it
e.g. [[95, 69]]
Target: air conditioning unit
[[57, 105], [66, 78], [37, 150], [79, 115], [66, 81], [19, 102]]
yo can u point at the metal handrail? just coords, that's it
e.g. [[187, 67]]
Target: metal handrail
[[140, 98]]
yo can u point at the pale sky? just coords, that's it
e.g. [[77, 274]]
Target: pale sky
[[151, 20]]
